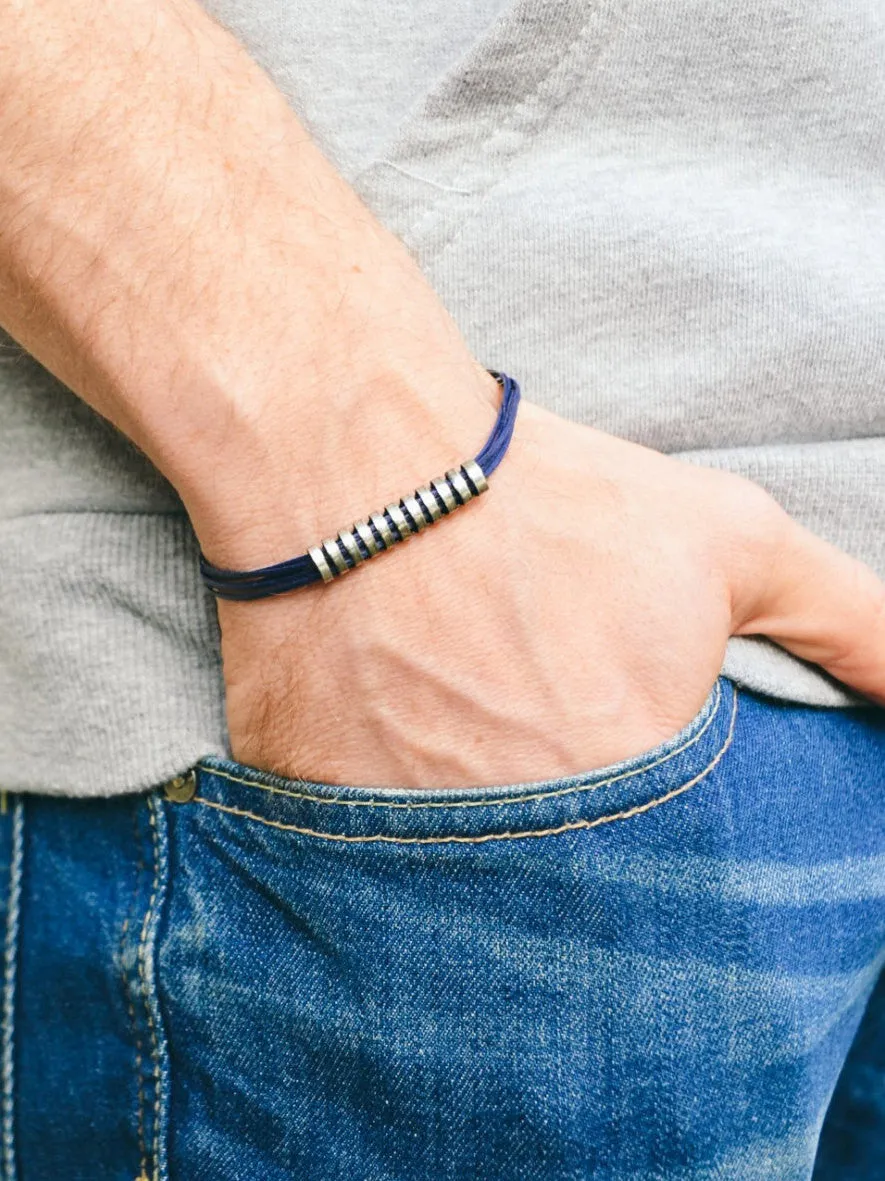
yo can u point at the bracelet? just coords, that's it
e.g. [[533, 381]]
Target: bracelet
[[380, 531]]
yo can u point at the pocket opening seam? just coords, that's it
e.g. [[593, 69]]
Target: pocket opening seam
[[9, 985], [417, 805], [570, 826], [129, 925], [141, 967]]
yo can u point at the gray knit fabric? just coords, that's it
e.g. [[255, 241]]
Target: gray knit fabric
[[667, 220]]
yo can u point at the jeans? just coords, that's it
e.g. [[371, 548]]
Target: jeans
[[669, 968]]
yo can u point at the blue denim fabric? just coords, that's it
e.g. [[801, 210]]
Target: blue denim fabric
[[659, 970]]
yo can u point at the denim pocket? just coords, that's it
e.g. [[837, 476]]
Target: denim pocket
[[401, 985], [473, 815]]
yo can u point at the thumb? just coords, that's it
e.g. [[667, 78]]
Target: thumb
[[817, 602]]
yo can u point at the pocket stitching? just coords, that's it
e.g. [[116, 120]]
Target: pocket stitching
[[9, 984], [141, 958], [571, 826], [306, 797], [128, 995]]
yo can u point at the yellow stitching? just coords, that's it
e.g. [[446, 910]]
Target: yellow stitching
[[497, 836], [130, 1006], [490, 803], [143, 978], [480, 803]]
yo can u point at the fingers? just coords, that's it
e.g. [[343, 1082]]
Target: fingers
[[815, 601]]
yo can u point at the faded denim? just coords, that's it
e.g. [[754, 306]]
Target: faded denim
[[661, 970]]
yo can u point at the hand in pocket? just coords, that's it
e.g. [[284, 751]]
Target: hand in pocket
[[575, 615]]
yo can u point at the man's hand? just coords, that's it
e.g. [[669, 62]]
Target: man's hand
[[574, 615], [175, 249]]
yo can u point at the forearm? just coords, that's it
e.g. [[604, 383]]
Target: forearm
[[175, 249]]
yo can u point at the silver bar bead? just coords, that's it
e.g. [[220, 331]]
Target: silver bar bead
[[321, 564], [380, 523], [398, 517], [409, 516], [475, 475], [415, 511], [444, 490], [330, 545], [460, 485], [425, 495], [367, 537], [348, 540]]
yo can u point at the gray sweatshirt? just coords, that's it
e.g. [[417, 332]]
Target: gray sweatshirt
[[667, 220]]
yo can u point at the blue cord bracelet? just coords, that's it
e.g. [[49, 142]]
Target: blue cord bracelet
[[380, 531]]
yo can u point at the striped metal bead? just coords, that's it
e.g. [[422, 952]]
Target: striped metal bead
[[319, 560], [415, 511], [429, 502], [475, 475], [332, 550], [383, 529], [398, 522], [462, 489], [367, 537], [347, 539], [443, 489]]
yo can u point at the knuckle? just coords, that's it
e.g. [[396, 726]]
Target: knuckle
[[877, 614], [755, 520], [757, 503]]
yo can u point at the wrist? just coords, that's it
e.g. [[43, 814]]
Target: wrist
[[288, 480]]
